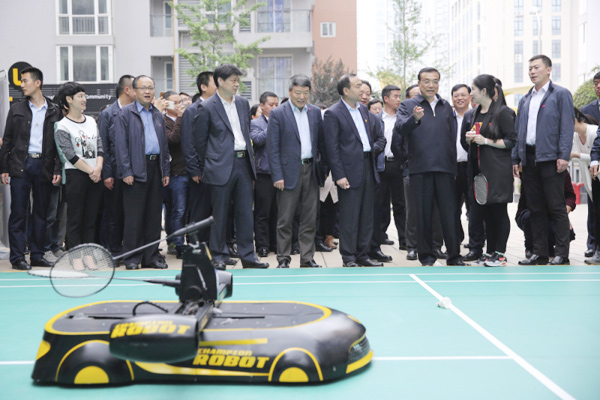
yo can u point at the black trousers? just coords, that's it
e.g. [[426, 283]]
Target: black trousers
[[497, 224], [239, 189], [83, 203], [113, 218], [391, 189], [327, 217], [545, 191], [142, 207], [440, 187], [199, 206], [356, 216], [265, 212], [476, 224], [591, 221]]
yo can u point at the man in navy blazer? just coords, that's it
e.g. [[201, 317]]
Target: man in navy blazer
[[545, 124], [593, 108], [353, 142], [294, 147], [226, 163]]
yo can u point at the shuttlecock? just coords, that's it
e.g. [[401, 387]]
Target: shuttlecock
[[445, 302]]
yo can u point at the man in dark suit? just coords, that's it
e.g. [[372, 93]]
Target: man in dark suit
[[353, 134], [545, 124], [294, 145], [265, 207], [593, 108], [226, 163], [112, 219], [428, 122]]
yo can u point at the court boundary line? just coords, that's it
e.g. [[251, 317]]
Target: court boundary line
[[543, 379]]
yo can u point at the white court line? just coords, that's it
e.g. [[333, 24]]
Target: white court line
[[16, 362], [543, 379]]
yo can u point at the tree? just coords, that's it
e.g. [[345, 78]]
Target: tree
[[211, 24], [585, 93], [325, 77]]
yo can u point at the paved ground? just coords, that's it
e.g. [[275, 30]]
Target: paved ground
[[515, 251]]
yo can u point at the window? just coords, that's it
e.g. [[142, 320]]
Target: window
[[518, 7], [518, 26], [537, 4], [556, 72], [556, 5], [556, 49], [275, 16], [518, 72], [536, 48], [83, 17], [327, 29], [169, 75], [221, 11], [85, 63], [519, 51], [556, 25], [274, 73], [537, 26]]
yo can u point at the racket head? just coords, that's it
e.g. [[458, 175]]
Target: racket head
[[480, 189], [82, 271]]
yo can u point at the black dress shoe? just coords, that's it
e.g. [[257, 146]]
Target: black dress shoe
[[558, 260], [220, 265], [589, 253], [528, 253], [254, 264], [402, 246], [351, 264], [21, 266], [310, 264], [320, 246], [472, 256], [389, 242], [285, 263], [367, 262], [156, 264], [458, 263], [230, 261], [411, 255], [263, 252], [379, 256], [427, 264], [132, 266], [440, 255], [534, 260], [295, 250], [42, 262], [233, 252]]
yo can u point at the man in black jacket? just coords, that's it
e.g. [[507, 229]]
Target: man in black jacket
[[28, 160], [428, 122]]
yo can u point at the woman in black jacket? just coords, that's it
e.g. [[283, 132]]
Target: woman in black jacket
[[490, 155]]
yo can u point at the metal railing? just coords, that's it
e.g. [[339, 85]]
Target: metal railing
[[288, 20], [161, 25]]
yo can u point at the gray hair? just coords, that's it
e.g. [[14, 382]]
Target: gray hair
[[300, 80]]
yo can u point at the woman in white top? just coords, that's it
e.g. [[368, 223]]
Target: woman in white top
[[585, 132], [81, 153]]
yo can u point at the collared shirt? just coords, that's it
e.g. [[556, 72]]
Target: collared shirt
[[360, 125], [119, 103], [37, 127], [239, 143], [534, 108], [303, 129], [150, 138], [433, 103], [461, 154], [388, 124], [171, 118]]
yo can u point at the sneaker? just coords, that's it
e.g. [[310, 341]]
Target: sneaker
[[481, 261], [497, 260], [171, 249], [49, 256]]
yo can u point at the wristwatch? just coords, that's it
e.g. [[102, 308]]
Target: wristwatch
[[485, 142]]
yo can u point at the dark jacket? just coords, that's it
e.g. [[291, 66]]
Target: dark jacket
[[431, 140], [494, 163], [17, 133], [592, 109], [173, 130], [284, 147], [344, 147], [555, 126], [258, 134], [381, 156], [188, 144], [106, 127], [130, 143], [214, 139]]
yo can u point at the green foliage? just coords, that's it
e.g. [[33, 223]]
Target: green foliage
[[325, 77], [212, 24], [585, 93]]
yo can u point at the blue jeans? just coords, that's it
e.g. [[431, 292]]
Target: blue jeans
[[177, 192]]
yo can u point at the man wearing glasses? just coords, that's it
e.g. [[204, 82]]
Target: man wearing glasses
[[427, 121], [143, 164]]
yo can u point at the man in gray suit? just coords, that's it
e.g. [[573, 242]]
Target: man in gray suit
[[294, 145], [226, 162]]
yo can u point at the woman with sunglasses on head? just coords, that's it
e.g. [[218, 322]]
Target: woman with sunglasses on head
[[490, 155]]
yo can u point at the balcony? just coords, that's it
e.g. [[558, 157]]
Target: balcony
[[161, 25], [279, 21]]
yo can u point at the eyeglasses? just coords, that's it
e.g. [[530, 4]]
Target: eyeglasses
[[145, 88], [428, 83]]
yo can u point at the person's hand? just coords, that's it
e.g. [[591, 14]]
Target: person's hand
[[180, 109], [593, 171], [279, 184], [95, 175], [561, 165], [161, 104], [196, 178], [5, 178], [165, 181], [343, 183], [470, 135], [109, 183], [418, 112], [56, 179], [128, 180], [516, 171], [575, 155]]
